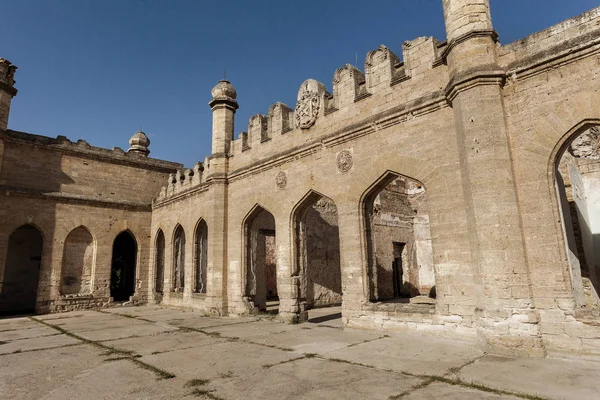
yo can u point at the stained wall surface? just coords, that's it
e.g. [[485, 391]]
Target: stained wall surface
[[477, 128]]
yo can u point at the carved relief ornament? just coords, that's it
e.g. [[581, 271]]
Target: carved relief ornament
[[281, 180], [587, 145], [344, 161], [309, 103]]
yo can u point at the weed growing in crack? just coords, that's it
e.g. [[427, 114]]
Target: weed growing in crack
[[196, 382]]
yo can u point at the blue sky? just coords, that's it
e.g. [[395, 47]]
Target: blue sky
[[100, 69]]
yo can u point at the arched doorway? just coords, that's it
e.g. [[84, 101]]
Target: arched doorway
[[577, 181], [122, 276], [317, 243], [261, 260], [200, 257], [179, 259], [22, 271], [159, 262], [78, 260], [398, 239]]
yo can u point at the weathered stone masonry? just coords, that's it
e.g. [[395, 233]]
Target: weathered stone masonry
[[426, 193]]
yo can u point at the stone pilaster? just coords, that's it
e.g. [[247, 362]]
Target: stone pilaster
[[495, 235]]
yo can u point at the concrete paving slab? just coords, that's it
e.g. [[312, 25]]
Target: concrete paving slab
[[35, 331], [411, 353], [125, 331], [552, 378], [16, 323], [319, 340], [37, 343], [327, 316], [96, 318], [173, 316], [70, 314], [79, 372], [126, 382], [135, 309], [222, 359], [256, 364], [315, 379], [103, 323], [250, 330], [165, 342], [445, 391], [208, 322]]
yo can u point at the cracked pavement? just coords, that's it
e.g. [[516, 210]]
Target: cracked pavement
[[164, 353]]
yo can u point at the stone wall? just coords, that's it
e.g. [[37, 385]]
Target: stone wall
[[63, 189], [477, 128]]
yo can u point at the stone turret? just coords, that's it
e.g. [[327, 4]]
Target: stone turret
[[7, 90], [139, 143], [223, 105]]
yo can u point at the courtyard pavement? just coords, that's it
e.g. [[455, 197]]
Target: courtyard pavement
[[163, 353]]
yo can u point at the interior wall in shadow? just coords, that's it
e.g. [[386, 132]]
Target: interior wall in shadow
[[22, 271]]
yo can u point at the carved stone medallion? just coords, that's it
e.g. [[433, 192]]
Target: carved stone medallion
[[309, 102], [344, 161], [587, 145], [281, 180]]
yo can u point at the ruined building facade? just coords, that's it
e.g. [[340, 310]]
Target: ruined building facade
[[454, 190]]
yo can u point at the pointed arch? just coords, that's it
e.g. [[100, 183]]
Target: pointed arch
[[573, 176], [159, 261], [22, 270], [200, 256], [79, 255], [178, 245], [123, 267], [396, 238], [316, 249], [260, 259]]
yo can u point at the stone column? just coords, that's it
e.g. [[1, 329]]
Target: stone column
[[504, 300], [287, 284], [223, 105], [351, 259]]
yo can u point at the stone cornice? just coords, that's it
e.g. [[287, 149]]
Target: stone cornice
[[61, 197], [467, 36], [225, 102], [559, 55], [470, 79]]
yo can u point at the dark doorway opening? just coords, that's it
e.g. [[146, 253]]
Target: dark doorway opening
[[122, 276], [22, 271], [160, 262], [397, 269]]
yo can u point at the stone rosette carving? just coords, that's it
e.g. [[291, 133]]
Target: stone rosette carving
[[281, 180], [309, 103], [344, 161], [587, 145]]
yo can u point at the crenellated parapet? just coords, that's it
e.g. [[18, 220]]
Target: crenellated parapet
[[279, 119], [385, 77], [182, 181], [348, 85], [382, 69]]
